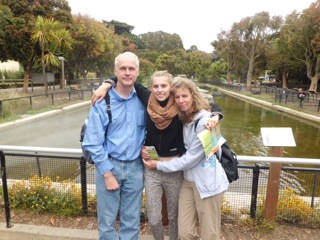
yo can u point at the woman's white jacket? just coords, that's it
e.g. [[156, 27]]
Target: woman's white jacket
[[208, 175]]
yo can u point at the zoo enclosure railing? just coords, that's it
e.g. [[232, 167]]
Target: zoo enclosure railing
[[281, 95], [22, 104], [242, 198], [17, 83]]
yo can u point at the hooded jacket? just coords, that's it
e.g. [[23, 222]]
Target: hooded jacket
[[209, 178]]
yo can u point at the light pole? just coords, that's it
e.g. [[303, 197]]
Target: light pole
[[62, 80]]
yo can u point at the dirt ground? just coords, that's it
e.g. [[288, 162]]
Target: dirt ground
[[229, 231]]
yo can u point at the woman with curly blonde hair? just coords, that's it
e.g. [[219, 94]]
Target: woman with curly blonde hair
[[204, 180]]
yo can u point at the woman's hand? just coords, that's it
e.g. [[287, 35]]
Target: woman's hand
[[212, 122], [144, 154], [150, 164], [100, 93]]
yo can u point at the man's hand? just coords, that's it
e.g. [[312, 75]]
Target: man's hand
[[110, 181], [100, 93]]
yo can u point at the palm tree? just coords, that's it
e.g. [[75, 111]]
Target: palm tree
[[52, 38]]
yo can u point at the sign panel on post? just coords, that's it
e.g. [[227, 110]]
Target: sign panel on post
[[276, 138]]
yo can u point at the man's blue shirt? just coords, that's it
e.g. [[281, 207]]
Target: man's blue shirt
[[125, 134]]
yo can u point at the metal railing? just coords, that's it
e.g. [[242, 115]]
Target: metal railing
[[243, 195], [281, 95], [20, 105]]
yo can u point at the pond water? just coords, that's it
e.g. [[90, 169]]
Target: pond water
[[242, 129]]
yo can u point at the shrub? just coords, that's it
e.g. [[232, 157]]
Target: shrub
[[41, 194], [291, 208], [225, 208]]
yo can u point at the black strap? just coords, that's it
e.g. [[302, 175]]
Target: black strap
[[107, 99], [196, 123]]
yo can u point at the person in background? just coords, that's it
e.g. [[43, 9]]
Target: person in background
[[204, 179], [119, 167], [164, 132], [301, 94]]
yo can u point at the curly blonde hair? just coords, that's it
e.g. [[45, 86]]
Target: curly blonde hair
[[199, 102]]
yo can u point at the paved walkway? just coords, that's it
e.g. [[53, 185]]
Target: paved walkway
[[32, 232]]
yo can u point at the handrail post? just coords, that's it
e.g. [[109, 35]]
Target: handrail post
[[30, 102], [38, 165], [254, 191], [83, 174], [5, 189], [1, 108], [315, 182]]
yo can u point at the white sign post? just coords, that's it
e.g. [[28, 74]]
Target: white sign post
[[276, 138]]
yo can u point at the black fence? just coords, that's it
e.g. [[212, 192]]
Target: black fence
[[20, 105], [298, 201], [281, 95], [17, 83]]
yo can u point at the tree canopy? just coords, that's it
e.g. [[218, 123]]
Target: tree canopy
[[254, 45]]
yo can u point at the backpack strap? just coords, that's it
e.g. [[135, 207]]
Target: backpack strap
[[107, 99], [196, 123]]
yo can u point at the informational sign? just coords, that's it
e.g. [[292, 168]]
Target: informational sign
[[278, 137]]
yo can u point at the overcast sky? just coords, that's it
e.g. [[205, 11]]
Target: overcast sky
[[196, 22]]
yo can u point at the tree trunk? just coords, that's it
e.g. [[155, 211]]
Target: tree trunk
[[314, 83], [26, 80], [85, 81], [249, 73], [62, 77], [44, 75], [229, 79], [284, 79]]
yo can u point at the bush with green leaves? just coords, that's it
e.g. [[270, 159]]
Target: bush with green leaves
[[42, 195], [291, 208]]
